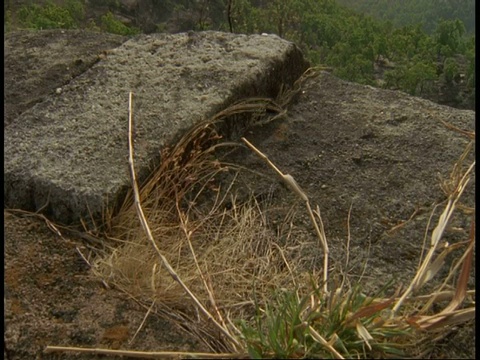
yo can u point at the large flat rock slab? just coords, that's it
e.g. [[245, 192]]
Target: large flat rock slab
[[382, 153], [67, 155], [376, 163]]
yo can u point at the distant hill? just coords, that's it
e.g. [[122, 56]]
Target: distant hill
[[410, 12]]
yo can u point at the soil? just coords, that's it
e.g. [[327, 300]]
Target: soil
[[51, 298], [381, 152]]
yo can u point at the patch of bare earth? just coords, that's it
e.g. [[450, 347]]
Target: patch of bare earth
[[51, 298]]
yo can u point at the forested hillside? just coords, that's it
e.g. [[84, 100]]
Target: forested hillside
[[438, 65], [368, 51], [411, 12]]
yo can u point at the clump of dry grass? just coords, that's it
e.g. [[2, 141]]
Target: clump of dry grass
[[220, 248], [216, 264], [193, 217]]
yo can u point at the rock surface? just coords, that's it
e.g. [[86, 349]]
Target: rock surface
[[39, 63], [383, 153], [68, 154], [51, 298]]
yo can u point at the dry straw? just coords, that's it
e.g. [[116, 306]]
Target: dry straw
[[215, 255], [186, 243]]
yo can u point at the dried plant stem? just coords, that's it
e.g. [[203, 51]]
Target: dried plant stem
[[469, 134], [429, 266], [292, 184], [146, 354], [142, 323], [188, 234], [148, 232], [318, 338], [287, 264], [323, 239]]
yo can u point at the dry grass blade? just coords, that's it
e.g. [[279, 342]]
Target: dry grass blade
[[451, 184], [206, 284], [363, 334], [202, 229], [439, 296], [146, 354], [239, 270], [467, 133], [450, 315], [142, 323], [317, 337], [147, 230], [461, 289], [369, 310], [429, 266], [286, 97], [443, 320], [293, 185]]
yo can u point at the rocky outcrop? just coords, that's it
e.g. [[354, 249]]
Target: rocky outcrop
[[383, 153], [67, 154]]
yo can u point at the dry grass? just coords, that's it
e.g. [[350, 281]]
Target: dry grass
[[218, 266], [222, 250]]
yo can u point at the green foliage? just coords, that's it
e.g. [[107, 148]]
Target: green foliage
[[350, 65], [92, 26], [161, 27], [335, 36], [412, 77], [76, 10], [411, 12], [450, 69], [449, 37], [329, 34], [409, 41], [245, 17], [289, 327], [114, 26], [111, 4], [69, 16], [278, 333], [51, 16], [470, 55]]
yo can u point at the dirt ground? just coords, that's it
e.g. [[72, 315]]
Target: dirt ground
[[381, 152], [53, 299]]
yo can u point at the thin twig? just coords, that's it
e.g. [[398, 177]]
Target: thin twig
[[293, 185], [141, 324], [146, 354], [148, 232]]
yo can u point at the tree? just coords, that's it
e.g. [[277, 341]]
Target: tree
[[448, 36], [412, 77], [450, 69], [470, 55]]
